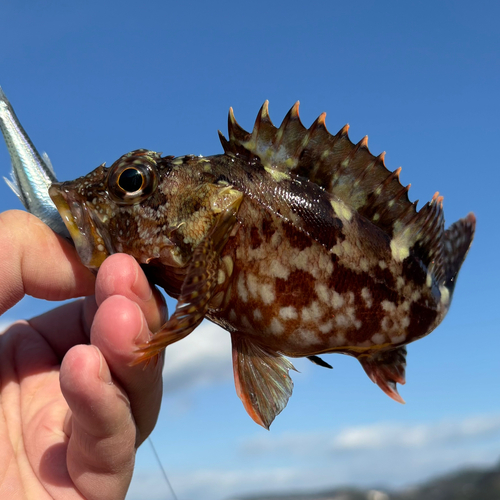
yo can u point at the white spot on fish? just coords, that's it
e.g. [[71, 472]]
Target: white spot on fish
[[388, 306], [326, 327], [302, 260], [400, 247], [428, 280], [367, 297], [378, 338], [337, 300], [312, 313], [322, 292], [288, 312], [341, 210], [324, 264], [242, 289], [276, 328], [276, 240], [257, 315], [342, 321], [267, 294], [339, 340], [397, 339], [303, 336], [278, 270], [253, 285], [445, 295]]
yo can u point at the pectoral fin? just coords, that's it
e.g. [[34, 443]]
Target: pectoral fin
[[386, 368], [198, 286], [261, 378]]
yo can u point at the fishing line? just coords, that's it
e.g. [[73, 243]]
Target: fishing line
[[162, 469]]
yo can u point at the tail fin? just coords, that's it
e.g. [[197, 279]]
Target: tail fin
[[457, 240]]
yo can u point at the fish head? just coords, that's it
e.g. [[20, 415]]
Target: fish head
[[102, 210], [156, 209]]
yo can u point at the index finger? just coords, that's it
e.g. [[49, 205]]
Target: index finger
[[37, 262]]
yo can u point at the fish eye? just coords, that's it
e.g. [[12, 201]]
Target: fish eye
[[132, 179]]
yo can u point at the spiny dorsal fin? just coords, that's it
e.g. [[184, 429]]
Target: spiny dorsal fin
[[346, 170]]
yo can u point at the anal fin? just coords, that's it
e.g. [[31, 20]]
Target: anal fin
[[261, 379], [386, 368]]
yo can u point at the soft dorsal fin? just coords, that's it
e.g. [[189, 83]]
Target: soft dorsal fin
[[345, 170], [423, 236]]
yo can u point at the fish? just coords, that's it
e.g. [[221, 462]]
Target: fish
[[297, 242], [32, 173]]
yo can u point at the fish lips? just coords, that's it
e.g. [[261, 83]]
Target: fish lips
[[91, 241]]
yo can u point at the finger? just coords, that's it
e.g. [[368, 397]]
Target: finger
[[69, 325], [119, 327], [102, 433], [120, 274], [37, 262]]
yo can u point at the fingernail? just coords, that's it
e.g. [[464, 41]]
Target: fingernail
[[104, 373], [141, 286]]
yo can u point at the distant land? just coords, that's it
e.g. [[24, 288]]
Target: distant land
[[467, 484]]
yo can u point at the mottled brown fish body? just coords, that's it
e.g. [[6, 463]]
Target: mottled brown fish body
[[296, 241], [299, 298]]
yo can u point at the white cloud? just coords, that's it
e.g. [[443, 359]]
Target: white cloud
[[378, 436], [414, 436], [202, 358]]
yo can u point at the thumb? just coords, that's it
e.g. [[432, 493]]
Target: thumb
[[101, 430]]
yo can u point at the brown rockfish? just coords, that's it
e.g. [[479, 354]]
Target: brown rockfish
[[296, 241]]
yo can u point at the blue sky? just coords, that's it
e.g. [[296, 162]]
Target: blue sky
[[93, 80]]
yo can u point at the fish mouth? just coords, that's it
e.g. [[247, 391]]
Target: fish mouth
[[91, 241]]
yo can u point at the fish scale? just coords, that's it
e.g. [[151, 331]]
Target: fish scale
[[296, 241]]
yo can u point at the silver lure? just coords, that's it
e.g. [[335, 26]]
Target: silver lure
[[32, 173]]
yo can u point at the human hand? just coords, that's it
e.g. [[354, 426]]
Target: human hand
[[73, 409]]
